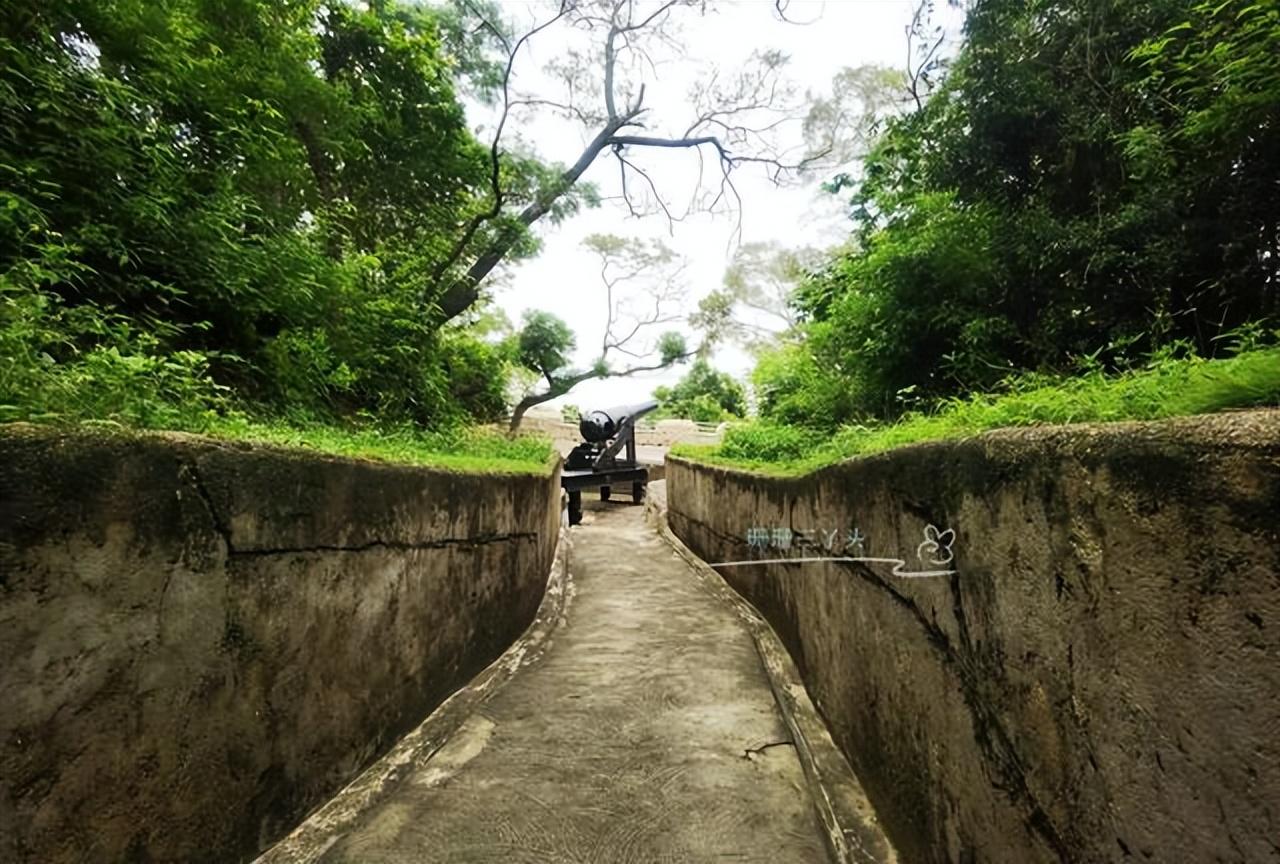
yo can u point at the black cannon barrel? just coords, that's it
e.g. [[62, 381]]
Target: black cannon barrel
[[601, 425]]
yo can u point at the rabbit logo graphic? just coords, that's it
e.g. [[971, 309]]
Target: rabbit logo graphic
[[936, 548]]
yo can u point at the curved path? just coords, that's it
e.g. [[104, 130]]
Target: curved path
[[647, 732]]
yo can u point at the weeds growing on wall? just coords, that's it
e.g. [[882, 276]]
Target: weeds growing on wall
[[116, 376], [1169, 386], [459, 448]]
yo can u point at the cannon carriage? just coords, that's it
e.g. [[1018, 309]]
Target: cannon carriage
[[606, 457]]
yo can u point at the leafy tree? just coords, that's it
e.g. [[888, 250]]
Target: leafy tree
[[545, 342], [1212, 149], [266, 186], [704, 394], [1076, 191], [846, 123], [756, 304]]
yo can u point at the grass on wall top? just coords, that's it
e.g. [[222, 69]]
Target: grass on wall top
[[473, 450], [112, 390], [1167, 387]]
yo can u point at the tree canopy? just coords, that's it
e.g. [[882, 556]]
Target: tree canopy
[[263, 190], [284, 202], [1089, 184]]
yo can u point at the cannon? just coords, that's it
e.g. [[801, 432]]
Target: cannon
[[606, 457]]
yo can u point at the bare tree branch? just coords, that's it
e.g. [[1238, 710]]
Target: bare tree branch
[[623, 165], [736, 116], [918, 72], [780, 9], [621, 261], [494, 152], [562, 107]]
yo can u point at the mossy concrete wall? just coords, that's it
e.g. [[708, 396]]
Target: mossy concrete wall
[[1099, 681], [202, 641]]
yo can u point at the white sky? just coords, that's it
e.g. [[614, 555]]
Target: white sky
[[564, 278]]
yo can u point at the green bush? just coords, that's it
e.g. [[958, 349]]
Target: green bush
[[704, 394], [792, 388], [1169, 386], [69, 364], [767, 442]]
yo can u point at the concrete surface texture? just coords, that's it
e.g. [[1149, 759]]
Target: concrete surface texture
[[1096, 682], [203, 641], [646, 732]]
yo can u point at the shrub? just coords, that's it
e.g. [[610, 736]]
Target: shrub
[[1168, 386]]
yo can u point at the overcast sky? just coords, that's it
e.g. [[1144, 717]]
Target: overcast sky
[[564, 278]]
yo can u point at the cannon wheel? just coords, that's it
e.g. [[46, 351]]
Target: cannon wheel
[[575, 506], [637, 491], [605, 492]]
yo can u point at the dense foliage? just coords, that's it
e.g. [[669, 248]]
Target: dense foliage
[[704, 394], [238, 201], [1165, 386], [1093, 182], [213, 209]]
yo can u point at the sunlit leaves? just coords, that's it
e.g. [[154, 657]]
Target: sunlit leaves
[[1091, 183], [267, 184]]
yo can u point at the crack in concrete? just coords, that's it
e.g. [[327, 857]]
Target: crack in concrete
[[189, 473], [844, 810], [992, 738], [748, 752], [464, 542]]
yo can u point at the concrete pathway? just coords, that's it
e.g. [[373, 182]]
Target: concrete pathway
[[647, 732]]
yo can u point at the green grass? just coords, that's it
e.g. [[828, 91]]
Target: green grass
[[474, 450], [466, 449], [1165, 388], [141, 388]]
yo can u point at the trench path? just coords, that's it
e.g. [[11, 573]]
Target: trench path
[[646, 732]]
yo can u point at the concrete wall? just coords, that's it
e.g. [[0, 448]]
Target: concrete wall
[[202, 641], [1100, 679]]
